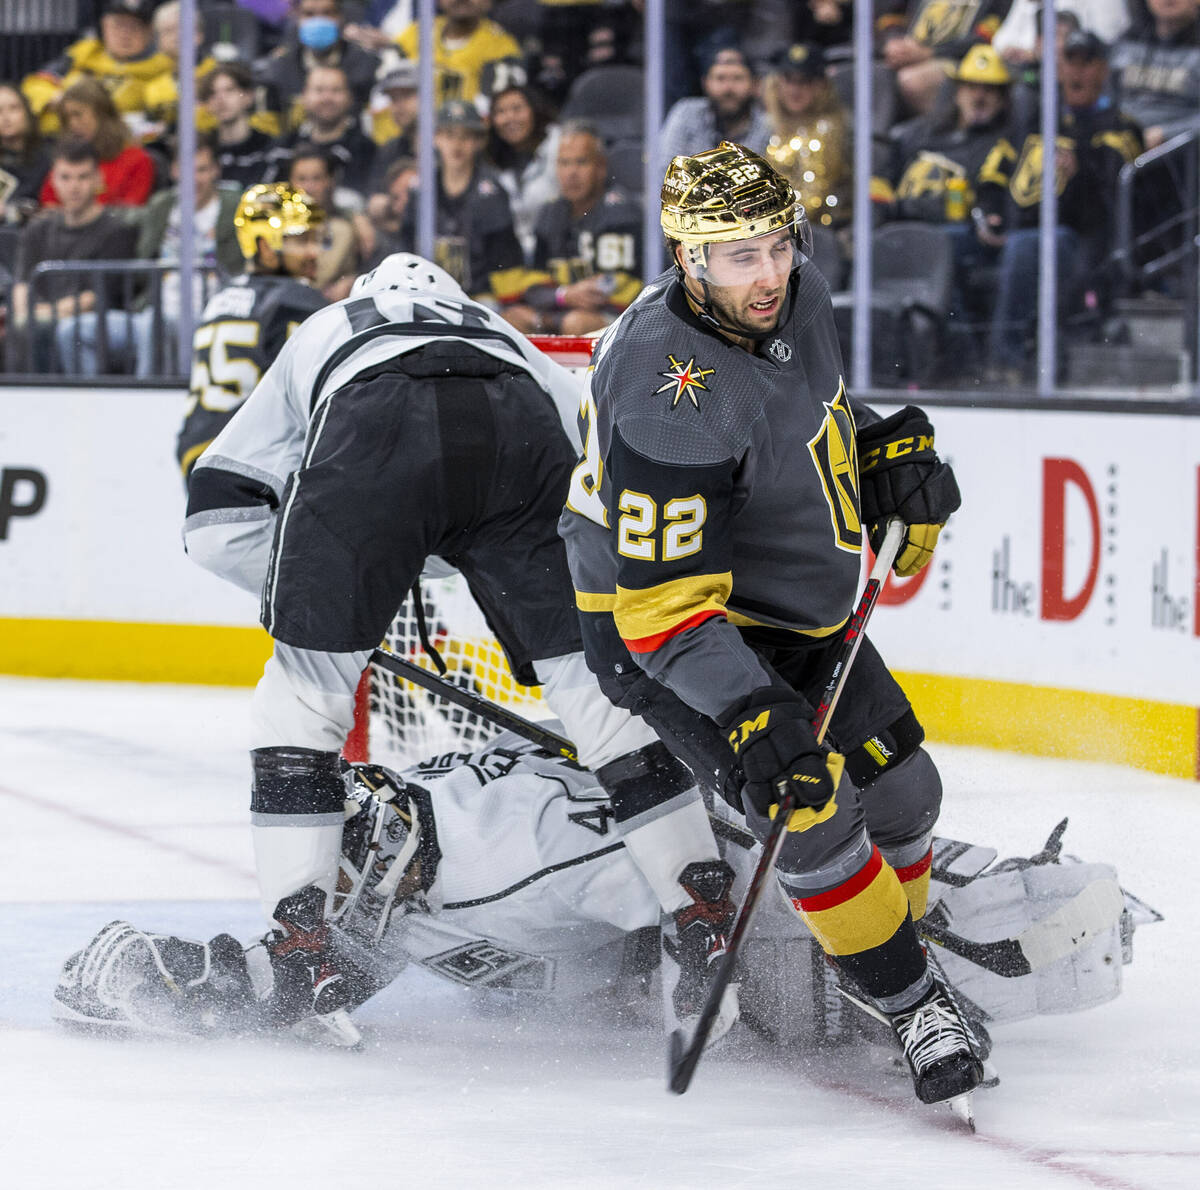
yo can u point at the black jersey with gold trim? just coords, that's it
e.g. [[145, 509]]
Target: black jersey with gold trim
[[607, 239], [241, 331], [951, 27], [718, 490]]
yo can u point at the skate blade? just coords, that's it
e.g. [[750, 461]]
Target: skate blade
[[331, 1028], [962, 1107]]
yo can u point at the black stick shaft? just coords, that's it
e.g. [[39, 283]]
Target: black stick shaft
[[510, 721], [683, 1059]]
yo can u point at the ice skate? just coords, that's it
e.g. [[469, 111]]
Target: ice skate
[[309, 983], [944, 1066]]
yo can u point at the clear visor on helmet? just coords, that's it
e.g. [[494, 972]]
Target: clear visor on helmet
[[766, 259]]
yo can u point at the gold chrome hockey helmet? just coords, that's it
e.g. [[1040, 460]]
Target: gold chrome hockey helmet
[[726, 193], [271, 212]]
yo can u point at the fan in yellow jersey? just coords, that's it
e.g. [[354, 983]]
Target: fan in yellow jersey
[[464, 42], [123, 58], [714, 529]]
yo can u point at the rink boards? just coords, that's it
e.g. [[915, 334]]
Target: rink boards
[[1060, 616]]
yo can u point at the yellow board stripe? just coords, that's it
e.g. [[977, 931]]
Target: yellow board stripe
[[1050, 721], [209, 655], [1038, 720]]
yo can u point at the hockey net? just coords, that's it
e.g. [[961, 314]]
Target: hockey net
[[398, 723]]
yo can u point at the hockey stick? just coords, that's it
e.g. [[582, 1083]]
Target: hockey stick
[[509, 720], [682, 1059]]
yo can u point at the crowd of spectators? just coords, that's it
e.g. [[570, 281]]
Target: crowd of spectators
[[539, 178]]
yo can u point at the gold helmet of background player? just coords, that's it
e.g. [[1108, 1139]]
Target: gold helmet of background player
[[726, 193], [272, 212]]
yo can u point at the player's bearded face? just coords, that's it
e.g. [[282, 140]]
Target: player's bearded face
[[300, 253], [747, 280]]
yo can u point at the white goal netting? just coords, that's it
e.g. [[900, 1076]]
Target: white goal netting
[[401, 723], [407, 723]]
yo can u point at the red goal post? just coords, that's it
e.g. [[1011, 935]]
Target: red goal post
[[398, 723]]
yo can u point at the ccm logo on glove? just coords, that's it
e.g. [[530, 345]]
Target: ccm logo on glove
[[901, 476], [774, 740]]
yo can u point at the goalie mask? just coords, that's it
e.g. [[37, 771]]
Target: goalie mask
[[381, 865], [738, 234], [274, 213]]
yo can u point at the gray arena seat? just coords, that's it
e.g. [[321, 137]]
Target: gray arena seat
[[610, 99]]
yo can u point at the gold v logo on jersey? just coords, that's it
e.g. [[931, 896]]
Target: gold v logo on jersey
[[834, 449], [683, 378]]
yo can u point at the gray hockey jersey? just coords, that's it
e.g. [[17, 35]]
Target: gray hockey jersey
[[717, 491]]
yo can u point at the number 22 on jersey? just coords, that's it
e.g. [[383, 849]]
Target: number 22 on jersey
[[682, 519]]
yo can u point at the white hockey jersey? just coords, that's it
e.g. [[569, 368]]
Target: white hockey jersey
[[534, 890], [265, 441], [535, 893]]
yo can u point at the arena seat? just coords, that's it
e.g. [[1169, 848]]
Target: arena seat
[[912, 271], [610, 99], [625, 165]]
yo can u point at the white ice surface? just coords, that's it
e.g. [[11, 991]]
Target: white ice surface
[[130, 801]]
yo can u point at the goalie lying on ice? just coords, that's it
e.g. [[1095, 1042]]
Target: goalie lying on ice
[[501, 870]]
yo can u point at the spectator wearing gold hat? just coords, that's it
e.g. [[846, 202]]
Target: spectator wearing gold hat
[[920, 40], [936, 159], [810, 139]]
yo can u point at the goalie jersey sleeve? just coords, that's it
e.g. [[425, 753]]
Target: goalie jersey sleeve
[[243, 328], [718, 492]]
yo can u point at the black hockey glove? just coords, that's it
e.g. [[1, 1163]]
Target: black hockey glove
[[774, 740], [901, 476]]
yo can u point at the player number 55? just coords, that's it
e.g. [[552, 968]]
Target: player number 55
[[219, 381]]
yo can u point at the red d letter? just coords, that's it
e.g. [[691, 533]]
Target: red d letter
[[1056, 474]]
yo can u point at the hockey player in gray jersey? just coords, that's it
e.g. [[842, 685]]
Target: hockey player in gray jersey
[[403, 424], [714, 528]]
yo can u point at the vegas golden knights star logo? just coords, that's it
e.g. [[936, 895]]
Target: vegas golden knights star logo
[[834, 450], [683, 378]]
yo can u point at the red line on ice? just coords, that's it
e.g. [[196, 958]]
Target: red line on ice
[[129, 832], [1058, 1162]]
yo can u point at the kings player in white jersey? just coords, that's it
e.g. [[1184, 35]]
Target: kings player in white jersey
[[502, 870], [406, 423]]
